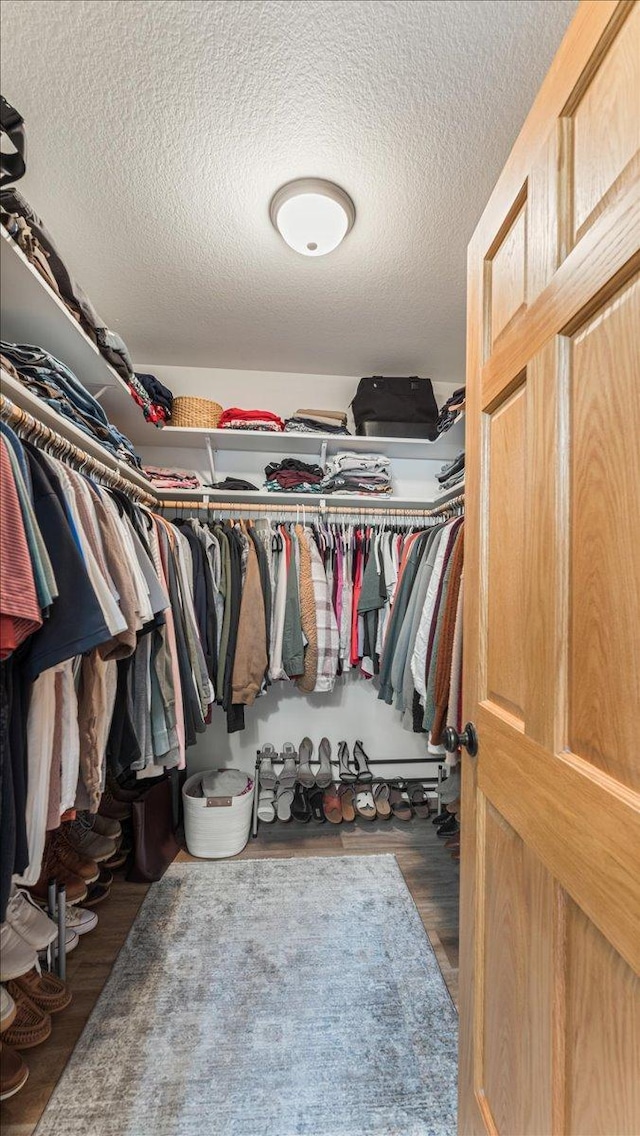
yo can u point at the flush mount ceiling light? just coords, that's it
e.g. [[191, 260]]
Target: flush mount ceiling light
[[312, 215]]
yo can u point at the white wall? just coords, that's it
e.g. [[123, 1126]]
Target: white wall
[[351, 712]]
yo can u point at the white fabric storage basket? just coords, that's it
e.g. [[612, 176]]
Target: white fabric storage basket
[[216, 827]]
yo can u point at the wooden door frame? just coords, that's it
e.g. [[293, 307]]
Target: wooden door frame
[[594, 269]]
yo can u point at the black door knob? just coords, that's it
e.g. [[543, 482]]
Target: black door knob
[[468, 739]]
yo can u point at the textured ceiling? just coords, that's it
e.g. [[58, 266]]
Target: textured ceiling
[[159, 129]]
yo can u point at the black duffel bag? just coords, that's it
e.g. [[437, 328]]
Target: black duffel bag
[[395, 408]]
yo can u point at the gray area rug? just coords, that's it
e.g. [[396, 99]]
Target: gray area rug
[[268, 998]]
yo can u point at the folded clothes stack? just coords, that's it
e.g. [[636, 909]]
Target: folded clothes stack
[[293, 476], [452, 473], [163, 478], [235, 484], [317, 422], [349, 472], [155, 399], [56, 385], [451, 411], [36, 242], [236, 419]]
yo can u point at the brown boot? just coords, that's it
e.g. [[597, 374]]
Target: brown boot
[[111, 807], [13, 1072], [52, 868], [75, 861]]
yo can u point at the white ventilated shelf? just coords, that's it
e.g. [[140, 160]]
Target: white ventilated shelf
[[349, 502], [255, 441], [33, 313], [26, 400]]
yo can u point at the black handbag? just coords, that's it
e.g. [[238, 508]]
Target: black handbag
[[397, 407], [154, 841]]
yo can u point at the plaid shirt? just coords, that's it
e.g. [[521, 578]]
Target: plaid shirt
[[327, 628]]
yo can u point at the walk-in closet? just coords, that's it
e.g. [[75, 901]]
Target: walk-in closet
[[319, 407]]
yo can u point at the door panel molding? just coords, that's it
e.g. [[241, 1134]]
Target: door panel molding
[[589, 33], [593, 271], [592, 852]]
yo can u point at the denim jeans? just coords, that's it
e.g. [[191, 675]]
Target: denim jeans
[[61, 389]]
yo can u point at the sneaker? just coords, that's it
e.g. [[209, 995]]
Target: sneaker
[[49, 993], [105, 826], [52, 868], [31, 1026], [7, 1009], [16, 956], [13, 1072], [97, 893], [71, 940], [448, 828], [84, 840], [80, 920], [29, 921]]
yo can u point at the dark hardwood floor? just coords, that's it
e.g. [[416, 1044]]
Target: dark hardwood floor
[[430, 874]]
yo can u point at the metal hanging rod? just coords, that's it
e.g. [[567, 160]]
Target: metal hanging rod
[[278, 759], [303, 508], [25, 424]]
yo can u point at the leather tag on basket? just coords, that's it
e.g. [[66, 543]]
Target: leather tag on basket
[[219, 802]]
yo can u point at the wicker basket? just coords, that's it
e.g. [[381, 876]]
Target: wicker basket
[[188, 411]]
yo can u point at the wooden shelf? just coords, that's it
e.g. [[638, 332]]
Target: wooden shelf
[[32, 313], [67, 429]]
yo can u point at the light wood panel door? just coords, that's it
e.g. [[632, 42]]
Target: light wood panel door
[[550, 889]]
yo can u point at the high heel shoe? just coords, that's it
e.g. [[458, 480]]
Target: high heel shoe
[[344, 772], [324, 776], [362, 763]]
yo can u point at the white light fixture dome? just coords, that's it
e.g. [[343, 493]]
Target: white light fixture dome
[[312, 215]]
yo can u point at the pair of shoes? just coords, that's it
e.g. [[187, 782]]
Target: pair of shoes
[[449, 828], [29, 921], [48, 992], [87, 836], [102, 888], [27, 1004], [338, 803], [400, 800], [16, 955], [361, 771], [13, 1072], [320, 777], [275, 792], [269, 778], [308, 804], [373, 800], [31, 1025], [72, 857], [78, 920]]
